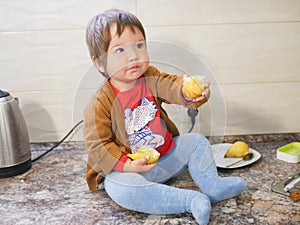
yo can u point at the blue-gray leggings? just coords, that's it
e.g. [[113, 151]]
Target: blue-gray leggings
[[146, 192]]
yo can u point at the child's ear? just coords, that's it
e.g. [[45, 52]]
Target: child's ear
[[97, 64]]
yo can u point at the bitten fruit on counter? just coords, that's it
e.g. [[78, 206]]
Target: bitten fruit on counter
[[237, 149]]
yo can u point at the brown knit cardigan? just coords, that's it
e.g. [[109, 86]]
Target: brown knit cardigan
[[104, 127]]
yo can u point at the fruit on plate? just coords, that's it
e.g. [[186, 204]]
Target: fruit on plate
[[145, 151], [237, 149], [193, 86]]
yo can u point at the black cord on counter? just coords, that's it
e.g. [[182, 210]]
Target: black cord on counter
[[58, 143]]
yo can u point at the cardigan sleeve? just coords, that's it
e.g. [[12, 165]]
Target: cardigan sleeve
[[103, 147], [168, 88]]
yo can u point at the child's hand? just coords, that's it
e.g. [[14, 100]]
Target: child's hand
[[138, 165]]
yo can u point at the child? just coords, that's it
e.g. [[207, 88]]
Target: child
[[126, 113]]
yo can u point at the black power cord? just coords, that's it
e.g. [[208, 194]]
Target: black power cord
[[58, 143], [192, 113]]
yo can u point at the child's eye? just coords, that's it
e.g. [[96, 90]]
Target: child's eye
[[119, 50], [140, 45]]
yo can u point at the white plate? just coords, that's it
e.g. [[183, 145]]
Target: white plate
[[219, 151]]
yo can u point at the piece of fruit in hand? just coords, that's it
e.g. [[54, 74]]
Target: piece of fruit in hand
[[237, 150], [145, 151], [193, 86]]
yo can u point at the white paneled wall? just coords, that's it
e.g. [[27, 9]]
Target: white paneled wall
[[252, 49], [43, 58]]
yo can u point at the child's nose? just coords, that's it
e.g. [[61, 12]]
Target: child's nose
[[132, 54]]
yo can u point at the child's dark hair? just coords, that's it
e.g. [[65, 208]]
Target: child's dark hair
[[98, 32]]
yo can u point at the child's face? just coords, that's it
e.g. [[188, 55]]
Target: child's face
[[127, 57]]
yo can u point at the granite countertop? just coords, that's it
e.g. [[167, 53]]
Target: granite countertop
[[54, 191]]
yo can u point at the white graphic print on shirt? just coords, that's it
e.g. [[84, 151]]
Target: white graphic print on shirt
[[136, 123]]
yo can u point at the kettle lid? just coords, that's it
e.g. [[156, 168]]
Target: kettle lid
[[3, 94]]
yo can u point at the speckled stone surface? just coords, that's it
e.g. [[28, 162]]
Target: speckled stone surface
[[54, 192]]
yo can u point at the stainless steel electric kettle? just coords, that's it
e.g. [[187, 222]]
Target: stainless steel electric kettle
[[15, 154]]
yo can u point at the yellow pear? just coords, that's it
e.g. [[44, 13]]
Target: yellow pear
[[237, 149], [193, 86], [145, 151]]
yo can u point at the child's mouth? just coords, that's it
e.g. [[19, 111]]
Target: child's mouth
[[133, 67]]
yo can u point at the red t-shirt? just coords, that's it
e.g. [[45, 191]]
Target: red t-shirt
[[143, 124]]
